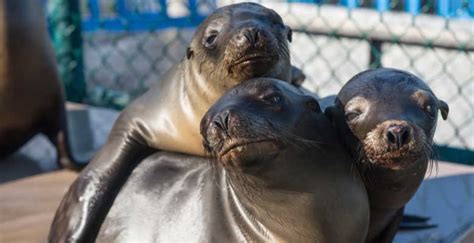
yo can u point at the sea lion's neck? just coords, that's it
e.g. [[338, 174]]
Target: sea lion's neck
[[389, 188], [240, 212], [259, 202], [200, 90], [260, 209]]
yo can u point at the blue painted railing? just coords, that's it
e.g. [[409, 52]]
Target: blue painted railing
[[444, 8], [132, 20], [127, 19]]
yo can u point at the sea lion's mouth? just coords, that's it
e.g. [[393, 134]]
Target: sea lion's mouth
[[394, 160], [248, 151], [238, 145], [249, 59], [257, 63]]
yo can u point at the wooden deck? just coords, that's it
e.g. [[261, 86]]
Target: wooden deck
[[27, 206]]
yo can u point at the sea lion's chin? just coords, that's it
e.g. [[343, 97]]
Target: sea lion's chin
[[394, 159], [250, 154]]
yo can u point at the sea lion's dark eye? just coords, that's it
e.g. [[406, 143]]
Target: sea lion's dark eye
[[279, 25], [429, 110], [273, 99], [351, 116], [210, 40]]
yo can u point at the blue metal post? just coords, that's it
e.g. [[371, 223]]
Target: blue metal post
[[94, 8], [412, 6], [442, 8], [455, 6], [382, 5], [192, 5], [164, 7], [122, 9], [93, 21], [350, 3], [471, 8]]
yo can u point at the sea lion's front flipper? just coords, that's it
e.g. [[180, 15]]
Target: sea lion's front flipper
[[416, 222], [56, 129], [411, 218], [85, 205]]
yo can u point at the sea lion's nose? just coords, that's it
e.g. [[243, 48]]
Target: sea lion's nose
[[221, 120], [398, 135], [249, 36]]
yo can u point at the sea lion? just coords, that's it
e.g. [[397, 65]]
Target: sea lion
[[31, 94], [235, 43], [388, 118], [279, 175]]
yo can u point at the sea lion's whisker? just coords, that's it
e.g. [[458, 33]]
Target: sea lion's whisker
[[430, 154], [297, 140]]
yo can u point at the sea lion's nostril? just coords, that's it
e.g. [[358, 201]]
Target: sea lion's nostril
[[222, 121], [226, 120], [391, 137], [398, 135], [218, 124], [405, 136], [250, 35]]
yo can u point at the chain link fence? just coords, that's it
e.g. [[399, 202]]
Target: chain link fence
[[127, 45]]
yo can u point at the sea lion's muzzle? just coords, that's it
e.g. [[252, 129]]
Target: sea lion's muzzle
[[257, 50], [230, 136], [393, 141], [231, 128]]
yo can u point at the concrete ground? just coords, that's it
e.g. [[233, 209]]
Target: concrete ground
[[449, 200]]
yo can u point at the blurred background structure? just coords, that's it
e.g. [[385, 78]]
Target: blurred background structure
[[110, 51]]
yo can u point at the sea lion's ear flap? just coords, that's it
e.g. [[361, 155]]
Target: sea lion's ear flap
[[332, 112], [289, 33], [189, 53], [329, 112], [312, 104], [444, 108], [297, 76]]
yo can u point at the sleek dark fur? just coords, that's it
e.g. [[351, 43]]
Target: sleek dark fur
[[388, 118], [235, 43]]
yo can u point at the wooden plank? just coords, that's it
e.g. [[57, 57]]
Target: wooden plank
[[27, 206]]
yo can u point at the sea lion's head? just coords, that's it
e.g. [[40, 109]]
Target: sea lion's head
[[239, 42], [257, 120], [388, 117]]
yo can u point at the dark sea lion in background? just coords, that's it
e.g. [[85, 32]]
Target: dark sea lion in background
[[31, 95], [234, 44], [279, 175], [388, 118]]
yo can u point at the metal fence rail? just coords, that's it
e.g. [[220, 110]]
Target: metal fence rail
[[129, 44], [152, 15], [444, 8], [139, 16]]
